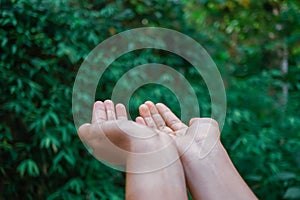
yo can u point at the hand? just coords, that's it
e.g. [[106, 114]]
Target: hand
[[208, 169], [113, 138], [198, 139]]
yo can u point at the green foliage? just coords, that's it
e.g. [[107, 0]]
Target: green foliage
[[28, 166], [43, 44]]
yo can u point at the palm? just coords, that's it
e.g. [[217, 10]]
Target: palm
[[112, 137], [203, 133], [162, 118]]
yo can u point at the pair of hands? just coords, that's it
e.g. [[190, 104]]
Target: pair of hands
[[113, 138]]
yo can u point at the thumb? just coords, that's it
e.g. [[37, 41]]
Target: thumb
[[83, 131], [193, 120]]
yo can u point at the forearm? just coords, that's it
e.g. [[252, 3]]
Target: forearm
[[214, 177], [165, 184], [158, 175]]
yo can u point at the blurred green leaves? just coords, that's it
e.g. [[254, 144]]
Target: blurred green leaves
[[28, 167], [43, 43]]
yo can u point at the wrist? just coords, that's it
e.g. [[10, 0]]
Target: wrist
[[199, 141], [152, 155], [195, 153]]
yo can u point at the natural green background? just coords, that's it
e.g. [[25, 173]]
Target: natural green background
[[255, 44]]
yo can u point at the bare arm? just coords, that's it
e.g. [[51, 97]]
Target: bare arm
[[167, 182], [208, 169], [210, 173], [148, 175]]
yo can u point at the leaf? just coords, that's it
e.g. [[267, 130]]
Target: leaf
[[292, 193], [50, 141], [54, 117], [286, 175], [76, 185], [28, 166]]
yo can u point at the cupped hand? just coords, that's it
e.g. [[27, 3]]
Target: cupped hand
[[112, 137], [199, 138]]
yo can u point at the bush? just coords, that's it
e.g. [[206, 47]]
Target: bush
[[44, 43]]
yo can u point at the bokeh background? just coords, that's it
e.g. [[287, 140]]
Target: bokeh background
[[255, 44]]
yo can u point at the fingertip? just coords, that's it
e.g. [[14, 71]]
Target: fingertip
[[140, 120], [143, 108], [212, 121], [98, 104], [158, 106], [152, 108], [120, 106], [149, 103], [161, 106], [192, 121], [108, 102], [204, 120], [83, 129]]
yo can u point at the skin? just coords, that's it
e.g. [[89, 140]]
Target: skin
[[119, 141], [208, 169]]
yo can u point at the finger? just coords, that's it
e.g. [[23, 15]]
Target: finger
[[83, 129], [110, 110], [157, 118], [99, 113], [121, 111], [140, 120], [145, 113], [192, 121], [170, 118], [204, 120], [90, 134], [84, 133]]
